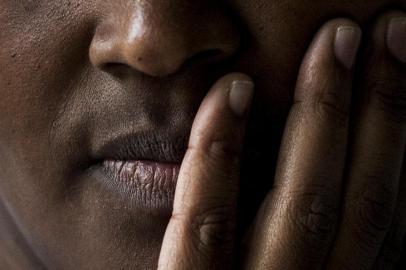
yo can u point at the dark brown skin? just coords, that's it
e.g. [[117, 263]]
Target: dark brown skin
[[71, 72]]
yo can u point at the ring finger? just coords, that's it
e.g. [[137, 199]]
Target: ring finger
[[377, 150]]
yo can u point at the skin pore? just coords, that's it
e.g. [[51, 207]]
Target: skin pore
[[73, 72]]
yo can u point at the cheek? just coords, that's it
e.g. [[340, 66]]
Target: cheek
[[279, 33], [42, 53]]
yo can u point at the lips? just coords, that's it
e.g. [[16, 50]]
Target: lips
[[142, 168], [150, 183], [153, 146]]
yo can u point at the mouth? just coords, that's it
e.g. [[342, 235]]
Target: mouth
[[142, 168]]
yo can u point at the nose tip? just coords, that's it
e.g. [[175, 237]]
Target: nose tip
[[159, 45]]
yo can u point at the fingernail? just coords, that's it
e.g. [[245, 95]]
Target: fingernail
[[347, 42], [396, 38], [240, 97]]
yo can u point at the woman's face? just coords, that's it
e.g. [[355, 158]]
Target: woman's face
[[82, 81]]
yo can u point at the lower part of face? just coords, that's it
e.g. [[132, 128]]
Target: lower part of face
[[76, 73]]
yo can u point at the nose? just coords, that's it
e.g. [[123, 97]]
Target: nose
[[157, 37]]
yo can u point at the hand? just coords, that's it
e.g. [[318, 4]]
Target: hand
[[339, 198]]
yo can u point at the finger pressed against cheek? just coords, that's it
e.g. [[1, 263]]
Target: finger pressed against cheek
[[377, 148], [390, 254], [295, 226], [200, 233]]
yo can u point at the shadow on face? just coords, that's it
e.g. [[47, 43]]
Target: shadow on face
[[77, 74]]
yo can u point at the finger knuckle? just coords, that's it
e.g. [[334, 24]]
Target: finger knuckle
[[374, 212], [222, 149], [328, 109], [391, 99], [214, 227], [316, 213], [326, 105]]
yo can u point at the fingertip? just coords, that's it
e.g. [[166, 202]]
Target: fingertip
[[222, 114], [388, 36], [240, 96], [343, 36], [325, 76], [240, 91], [230, 96], [396, 38], [346, 44]]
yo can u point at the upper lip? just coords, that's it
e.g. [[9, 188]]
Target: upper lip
[[151, 146]]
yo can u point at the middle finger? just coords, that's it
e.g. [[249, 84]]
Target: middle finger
[[296, 225]]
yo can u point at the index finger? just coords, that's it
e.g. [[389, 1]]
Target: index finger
[[200, 234]]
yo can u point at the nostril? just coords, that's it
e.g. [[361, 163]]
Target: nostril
[[120, 70], [163, 44]]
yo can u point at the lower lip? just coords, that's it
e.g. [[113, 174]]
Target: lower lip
[[148, 184]]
